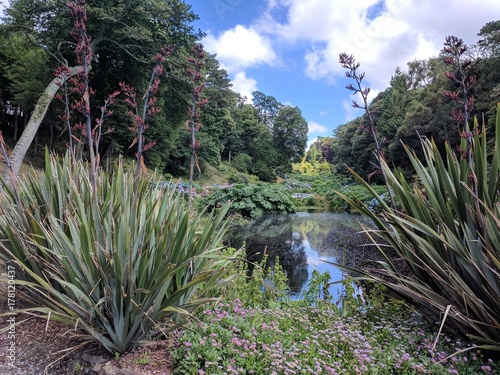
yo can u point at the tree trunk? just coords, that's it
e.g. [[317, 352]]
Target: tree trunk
[[16, 119], [22, 146]]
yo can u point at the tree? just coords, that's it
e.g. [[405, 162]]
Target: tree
[[254, 139], [267, 107], [343, 153], [217, 132], [326, 148], [313, 155], [289, 136], [22, 65], [125, 36], [490, 39]]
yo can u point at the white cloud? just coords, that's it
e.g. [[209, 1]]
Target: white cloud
[[244, 85], [350, 112], [239, 48], [310, 142], [317, 128], [381, 35]]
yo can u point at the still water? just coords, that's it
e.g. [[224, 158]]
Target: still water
[[303, 242]]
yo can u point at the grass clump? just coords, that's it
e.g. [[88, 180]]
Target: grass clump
[[446, 230], [119, 264]]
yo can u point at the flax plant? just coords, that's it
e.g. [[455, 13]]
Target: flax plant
[[120, 266], [447, 232]]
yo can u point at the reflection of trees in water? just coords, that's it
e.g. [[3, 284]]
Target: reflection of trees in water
[[343, 240], [294, 262], [284, 244], [282, 236], [354, 249]]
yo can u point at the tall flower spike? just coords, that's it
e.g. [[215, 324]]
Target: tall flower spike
[[197, 61], [148, 108], [454, 55], [349, 62]]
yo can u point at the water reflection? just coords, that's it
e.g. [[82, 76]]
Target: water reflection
[[302, 242]]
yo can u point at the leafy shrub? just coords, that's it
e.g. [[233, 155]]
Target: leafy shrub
[[255, 285], [447, 232], [337, 204], [119, 265], [242, 162], [313, 169], [317, 289], [252, 200], [325, 186], [264, 172], [239, 178]]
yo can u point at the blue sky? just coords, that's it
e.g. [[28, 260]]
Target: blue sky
[[289, 48]]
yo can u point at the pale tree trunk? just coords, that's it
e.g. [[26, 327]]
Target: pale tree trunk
[[22, 146]]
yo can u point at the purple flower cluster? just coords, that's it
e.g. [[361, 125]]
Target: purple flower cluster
[[306, 340]]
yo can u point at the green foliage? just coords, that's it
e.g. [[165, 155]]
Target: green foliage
[[414, 106], [447, 232], [289, 136], [317, 289], [312, 168], [324, 187], [322, 150], [242, 162], [144, 360], [235, 340], [255, 285], [121, 266], [252, 200], [239, 178], [337, 204], [351, 302], [24, 67]]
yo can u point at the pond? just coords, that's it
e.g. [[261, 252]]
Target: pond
[[303, 242]]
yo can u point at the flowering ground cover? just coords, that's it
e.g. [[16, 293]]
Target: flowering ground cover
[[308, 340]]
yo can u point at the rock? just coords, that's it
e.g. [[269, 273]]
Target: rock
[[94, 359], [111, 369]]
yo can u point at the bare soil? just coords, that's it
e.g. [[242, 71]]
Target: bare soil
[[36, 346]]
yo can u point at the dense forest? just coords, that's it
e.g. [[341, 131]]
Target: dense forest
[[420, 102], [264, 138]]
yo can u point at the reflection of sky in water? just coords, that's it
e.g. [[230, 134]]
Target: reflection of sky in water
[[315, 261], [303, 242]]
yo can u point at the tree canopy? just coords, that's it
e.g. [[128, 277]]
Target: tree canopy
[[263, 138]]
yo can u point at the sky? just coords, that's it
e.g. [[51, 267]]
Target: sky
[[289, 49]]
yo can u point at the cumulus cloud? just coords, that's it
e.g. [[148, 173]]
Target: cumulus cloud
[[240, 47], [382, 35], [310, 142], [316, 128], [244, 85]]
